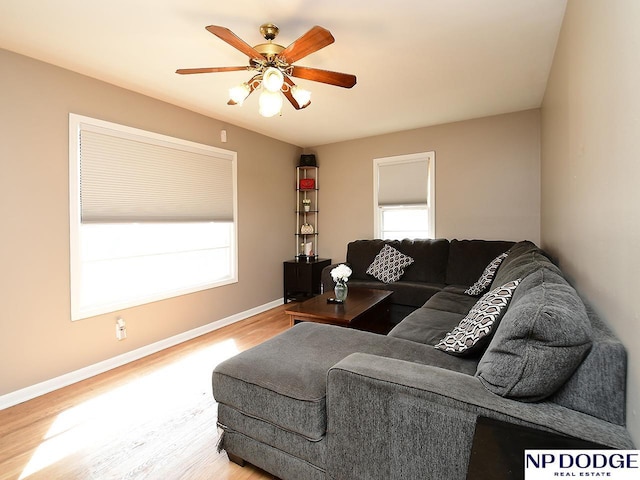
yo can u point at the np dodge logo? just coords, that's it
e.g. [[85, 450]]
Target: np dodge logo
[[610, 464]]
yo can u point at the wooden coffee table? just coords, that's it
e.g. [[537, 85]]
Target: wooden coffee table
[[364, 309]]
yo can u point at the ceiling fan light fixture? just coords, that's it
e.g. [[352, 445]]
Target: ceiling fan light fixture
[[302, 96], [273, 67], [270, 103], [272, 79], [239, 93]]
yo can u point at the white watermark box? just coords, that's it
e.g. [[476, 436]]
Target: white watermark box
[[556, 464]]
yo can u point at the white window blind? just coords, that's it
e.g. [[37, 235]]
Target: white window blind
[[152, 217], [124, 178], [403, 183]]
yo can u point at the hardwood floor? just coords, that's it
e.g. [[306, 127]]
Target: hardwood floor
[[154, 418]]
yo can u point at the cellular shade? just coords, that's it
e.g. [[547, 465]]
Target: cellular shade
[[404, 183], [125, 178]]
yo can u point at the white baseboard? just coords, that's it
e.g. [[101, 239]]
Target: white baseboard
[[28, 393]]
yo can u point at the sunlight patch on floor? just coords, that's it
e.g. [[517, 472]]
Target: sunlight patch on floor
[[158, 395]]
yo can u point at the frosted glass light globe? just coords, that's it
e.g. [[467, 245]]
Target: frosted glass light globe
[[270, 103], [272, 79]]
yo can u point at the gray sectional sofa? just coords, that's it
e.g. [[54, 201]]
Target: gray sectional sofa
[[438, 263], [325, 402]]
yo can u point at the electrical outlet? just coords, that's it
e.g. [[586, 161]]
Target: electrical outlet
[[121, 329]]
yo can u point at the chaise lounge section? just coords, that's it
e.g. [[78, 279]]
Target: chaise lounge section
[[324, 402]]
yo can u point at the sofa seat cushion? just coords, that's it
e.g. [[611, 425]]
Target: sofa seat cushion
[[541, 340], [426, 325], [450, 300], [283, 380], [460, 289], [414, 294]]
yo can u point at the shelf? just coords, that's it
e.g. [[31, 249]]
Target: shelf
[[307, 188], [306, 258]]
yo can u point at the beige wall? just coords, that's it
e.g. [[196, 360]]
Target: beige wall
[[487, 180], [591, 167], [38, 340]]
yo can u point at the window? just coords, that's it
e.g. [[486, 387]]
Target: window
[[151, 216], [402, 221], [404, 196]]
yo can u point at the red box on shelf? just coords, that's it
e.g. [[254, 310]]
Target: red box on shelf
[[307, 184]]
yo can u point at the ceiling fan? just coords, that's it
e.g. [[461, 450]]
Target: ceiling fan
[[274, 68]]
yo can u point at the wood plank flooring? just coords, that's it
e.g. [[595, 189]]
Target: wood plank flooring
[[153, 419]]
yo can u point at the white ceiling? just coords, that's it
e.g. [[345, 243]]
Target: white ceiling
[[418, 62]]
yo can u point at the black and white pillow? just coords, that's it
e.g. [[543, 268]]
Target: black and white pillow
[[389, 264], [474, 331], [487, 276]]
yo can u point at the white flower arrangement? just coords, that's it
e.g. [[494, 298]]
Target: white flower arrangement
[[341, 273]]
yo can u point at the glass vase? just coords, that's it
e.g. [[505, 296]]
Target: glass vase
[[341, 290]]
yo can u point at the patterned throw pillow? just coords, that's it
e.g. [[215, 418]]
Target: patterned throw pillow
[[474, 331], [487, 276], [389, 265]]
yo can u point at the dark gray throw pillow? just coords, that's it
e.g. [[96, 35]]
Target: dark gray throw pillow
[[542, 338]]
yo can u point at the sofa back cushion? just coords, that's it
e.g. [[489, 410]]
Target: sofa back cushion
[[522, 259], [598, 386], [542, 339], [468, 259], [430, 258]]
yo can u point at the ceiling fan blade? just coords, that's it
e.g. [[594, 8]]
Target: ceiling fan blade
[[188, 71], [344, 80], [310, 42], [287, 93], [232, 39]]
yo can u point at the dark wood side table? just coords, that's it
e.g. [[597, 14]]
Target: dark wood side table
[[302, 277]]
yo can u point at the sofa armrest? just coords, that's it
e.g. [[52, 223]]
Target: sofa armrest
[[390, 418]]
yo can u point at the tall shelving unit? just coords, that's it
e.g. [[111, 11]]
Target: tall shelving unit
[[306, 212], [302, 275]]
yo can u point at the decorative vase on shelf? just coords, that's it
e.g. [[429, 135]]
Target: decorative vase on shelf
[[341, 290]]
